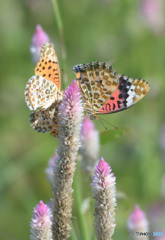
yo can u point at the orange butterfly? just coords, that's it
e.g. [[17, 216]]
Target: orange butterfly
[[104, 91], [43, 91]]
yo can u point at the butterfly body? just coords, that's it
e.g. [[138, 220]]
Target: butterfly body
[[104, 91]]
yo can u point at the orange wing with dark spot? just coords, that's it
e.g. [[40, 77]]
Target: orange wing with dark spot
[[48, 65]]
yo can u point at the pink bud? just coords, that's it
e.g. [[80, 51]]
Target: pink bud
[[103, 177], [137, 221], [41, 223], [39, 38], [87, 127]]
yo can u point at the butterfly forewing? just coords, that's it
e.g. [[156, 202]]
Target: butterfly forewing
[[48, 65]]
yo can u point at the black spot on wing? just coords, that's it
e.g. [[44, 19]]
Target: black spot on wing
[[124, 87]]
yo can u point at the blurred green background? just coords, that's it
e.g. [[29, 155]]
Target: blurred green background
[[118, 33]]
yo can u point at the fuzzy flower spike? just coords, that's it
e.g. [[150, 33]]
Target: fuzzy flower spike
[[89, 145], [70, 120], [39, 38], [104, 191], [41, 223]]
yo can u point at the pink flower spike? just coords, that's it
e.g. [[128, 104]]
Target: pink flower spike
[[153, 13], [41, 223], [70, 115], [39, 38], [137, 222], [87, 126], [89, 145], [104, 190]]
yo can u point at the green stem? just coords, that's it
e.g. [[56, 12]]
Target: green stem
[[62, 40], [73, 234], [77, 199]]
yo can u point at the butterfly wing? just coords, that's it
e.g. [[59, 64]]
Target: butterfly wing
[[97, 82], [46, 120], [128, 92], [48, 65], [40, 92]]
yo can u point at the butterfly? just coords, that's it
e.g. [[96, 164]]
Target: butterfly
[[104, 91], [43, 94]]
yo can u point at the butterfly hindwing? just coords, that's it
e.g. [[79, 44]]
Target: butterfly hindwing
[[48, 65], [40, 92], [46, 120]]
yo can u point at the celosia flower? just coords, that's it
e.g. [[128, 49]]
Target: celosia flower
[[41, 223], [153, 13], [137, 223], [89, 145], [70, 119], [50, 168], [104, 191], [39, 38]]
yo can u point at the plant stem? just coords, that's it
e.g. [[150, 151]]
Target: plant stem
[[62, 40]]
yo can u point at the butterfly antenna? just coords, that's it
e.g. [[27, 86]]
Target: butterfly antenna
[[107, 122], [103, 124]]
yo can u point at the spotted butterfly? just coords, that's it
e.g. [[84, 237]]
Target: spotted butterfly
[[104, 91], [43, 94]]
